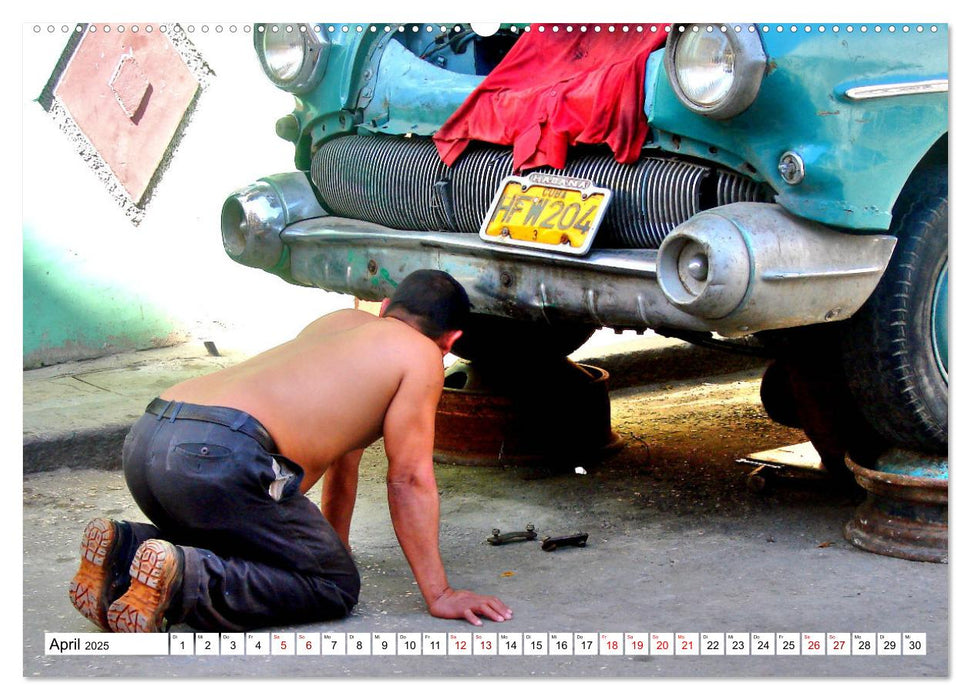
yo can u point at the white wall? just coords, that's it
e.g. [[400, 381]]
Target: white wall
[[175, 256]]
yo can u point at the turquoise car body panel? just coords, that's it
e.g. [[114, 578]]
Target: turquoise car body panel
[[373, 84], [858, 154]]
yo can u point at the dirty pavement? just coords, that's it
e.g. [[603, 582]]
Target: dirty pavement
[[677, 541]]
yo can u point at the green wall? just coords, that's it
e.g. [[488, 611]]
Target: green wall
[[69, 315]]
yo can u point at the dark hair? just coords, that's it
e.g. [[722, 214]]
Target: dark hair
[[433, 300]]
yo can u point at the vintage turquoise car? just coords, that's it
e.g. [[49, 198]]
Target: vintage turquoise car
[[789, 196]]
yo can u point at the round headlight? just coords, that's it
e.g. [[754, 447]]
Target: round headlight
[[283, 53], [716, 72], [292, 56], [705, 67]]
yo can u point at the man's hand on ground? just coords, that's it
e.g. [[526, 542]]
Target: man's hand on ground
[[455, 605]]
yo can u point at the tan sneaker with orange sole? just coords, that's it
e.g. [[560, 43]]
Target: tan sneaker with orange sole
[[156, 574], [100, 578]]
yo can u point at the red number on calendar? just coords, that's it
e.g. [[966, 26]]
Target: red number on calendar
[[814, 646], [687, 645], [662, 645]]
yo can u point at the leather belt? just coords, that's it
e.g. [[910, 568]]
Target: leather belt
[[221, 415]]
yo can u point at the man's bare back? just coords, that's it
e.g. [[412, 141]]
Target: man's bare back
[[326, 392]]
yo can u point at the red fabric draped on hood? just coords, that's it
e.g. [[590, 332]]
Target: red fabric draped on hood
[[555, 89]]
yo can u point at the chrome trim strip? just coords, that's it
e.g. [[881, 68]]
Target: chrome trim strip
[[821, 274], [919, 87]]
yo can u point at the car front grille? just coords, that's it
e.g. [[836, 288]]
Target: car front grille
[[401, 183]]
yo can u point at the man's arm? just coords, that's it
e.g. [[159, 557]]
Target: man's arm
[[409, 436], [339, 493]]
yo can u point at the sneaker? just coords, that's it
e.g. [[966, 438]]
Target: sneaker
[[103, 574], [156, 575]]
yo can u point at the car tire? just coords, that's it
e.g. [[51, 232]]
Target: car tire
[[495, 339], [895, 347]]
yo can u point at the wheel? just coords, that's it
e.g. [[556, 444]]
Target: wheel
[[895, 349], [495, 339]]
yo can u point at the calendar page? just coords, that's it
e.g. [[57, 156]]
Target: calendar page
[[182, 178]]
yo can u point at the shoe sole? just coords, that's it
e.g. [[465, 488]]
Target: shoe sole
[[88, 589], [154, 571]]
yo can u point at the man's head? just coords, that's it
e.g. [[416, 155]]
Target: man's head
[[433, 302]]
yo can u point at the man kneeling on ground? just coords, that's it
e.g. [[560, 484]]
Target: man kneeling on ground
[[220, 465]]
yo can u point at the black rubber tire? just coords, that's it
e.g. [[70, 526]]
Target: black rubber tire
[[495, 339], [888, 346]]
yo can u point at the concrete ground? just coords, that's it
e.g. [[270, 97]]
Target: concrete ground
[[677, 542]]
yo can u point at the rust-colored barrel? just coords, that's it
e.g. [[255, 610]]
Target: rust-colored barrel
[[905, 512], [555, 413]]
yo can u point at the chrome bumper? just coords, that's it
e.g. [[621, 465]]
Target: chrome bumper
[[733, 270], [608, 288]]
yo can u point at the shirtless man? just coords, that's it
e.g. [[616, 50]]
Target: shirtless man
[[220, 465]]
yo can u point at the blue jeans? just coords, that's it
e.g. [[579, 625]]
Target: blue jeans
[[257, 552]]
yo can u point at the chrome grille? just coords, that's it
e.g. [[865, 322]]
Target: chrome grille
[[402, 183]]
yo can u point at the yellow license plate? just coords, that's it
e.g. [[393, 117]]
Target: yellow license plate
[[551, 212]]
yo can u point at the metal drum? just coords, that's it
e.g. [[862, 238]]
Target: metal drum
[[905, 512], [555, 414]]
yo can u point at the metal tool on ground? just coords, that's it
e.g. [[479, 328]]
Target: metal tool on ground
[[525, 536], [552, 543], [905, 511], [792, 463]]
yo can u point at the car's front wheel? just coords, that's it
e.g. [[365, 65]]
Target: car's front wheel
[[895, 349]]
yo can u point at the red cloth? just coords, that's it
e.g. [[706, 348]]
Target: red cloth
[[556, 89]]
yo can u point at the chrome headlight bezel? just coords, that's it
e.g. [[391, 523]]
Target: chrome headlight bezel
[[309, 39], [747, 71]]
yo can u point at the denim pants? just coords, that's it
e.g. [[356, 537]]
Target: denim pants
[[257, 552]]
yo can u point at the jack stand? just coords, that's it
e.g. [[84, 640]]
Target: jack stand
[[905, 512]]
